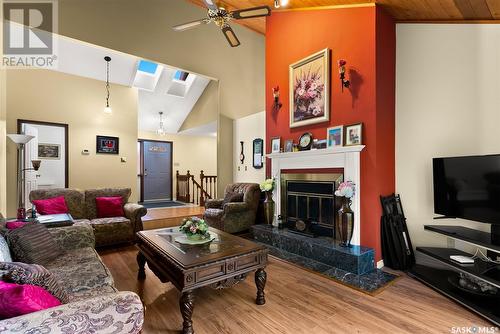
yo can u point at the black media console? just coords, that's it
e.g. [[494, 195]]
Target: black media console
[[437, 279]]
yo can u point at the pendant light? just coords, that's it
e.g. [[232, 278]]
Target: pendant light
[[161, 129], [107, 109]]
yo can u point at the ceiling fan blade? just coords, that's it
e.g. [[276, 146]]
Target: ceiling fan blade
[[251, 12], [230, 36], [211, 4], [190, 25]]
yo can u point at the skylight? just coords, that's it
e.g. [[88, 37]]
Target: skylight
[[147, 75], [181, 75]]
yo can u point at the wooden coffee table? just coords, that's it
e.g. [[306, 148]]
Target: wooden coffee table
[[222, 263]]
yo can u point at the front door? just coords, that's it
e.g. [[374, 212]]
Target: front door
[[157, 170]]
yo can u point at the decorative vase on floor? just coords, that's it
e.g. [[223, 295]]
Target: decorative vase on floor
[[269, 208], [345, 222]]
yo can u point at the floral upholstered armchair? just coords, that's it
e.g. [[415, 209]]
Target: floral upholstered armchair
[[237, 211]]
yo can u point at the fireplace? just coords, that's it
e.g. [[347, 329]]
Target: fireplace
[[346, 159], [308, 202]]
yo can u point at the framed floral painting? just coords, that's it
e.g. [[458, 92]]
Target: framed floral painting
[[310, 89]]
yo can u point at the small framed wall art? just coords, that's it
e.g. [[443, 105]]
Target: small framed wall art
[[353, 134], [334, 136], [258, 152], [49, 151], [275, 145], [107, 145]]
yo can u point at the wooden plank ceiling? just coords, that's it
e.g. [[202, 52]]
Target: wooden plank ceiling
[[401, 10]]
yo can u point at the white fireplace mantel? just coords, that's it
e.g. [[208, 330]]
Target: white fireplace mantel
[[346, 157]]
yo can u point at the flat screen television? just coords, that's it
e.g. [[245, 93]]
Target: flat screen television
[[468, 187]]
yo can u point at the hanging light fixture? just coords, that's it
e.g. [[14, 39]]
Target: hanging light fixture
[[107, 109], [161, 129]]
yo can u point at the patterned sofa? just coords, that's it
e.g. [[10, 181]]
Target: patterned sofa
[[107, 231], [94, 306], [234, 217]]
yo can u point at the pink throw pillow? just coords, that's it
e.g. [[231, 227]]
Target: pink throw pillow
[[109, 207], [51, 206], [17, 299], [12, 225]]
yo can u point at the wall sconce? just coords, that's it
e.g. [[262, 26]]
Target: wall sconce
[[276, 94], [343, 82]]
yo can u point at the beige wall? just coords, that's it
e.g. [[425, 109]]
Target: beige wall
[[56, 97], [144, 28], [224, 153], [206, 108], [247, 129], [193, 153], [447, 104]]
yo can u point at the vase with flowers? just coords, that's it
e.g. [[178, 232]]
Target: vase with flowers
[[345, 215], [195, 229], [267, 187]]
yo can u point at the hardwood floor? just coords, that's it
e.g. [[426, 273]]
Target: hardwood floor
[[168, 217], [298, 301]]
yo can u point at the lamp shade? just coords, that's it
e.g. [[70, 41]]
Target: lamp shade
[[20, 139]]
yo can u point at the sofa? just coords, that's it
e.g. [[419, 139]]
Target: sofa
[[82, 207], [94, 305], [234, 216]]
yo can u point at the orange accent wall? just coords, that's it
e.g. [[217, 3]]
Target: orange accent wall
[[365, 37]]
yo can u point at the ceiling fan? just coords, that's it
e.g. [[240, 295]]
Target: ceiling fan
[[221, 17]]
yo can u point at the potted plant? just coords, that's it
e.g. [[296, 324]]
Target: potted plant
[[195, 228], [345, 221], [267, 187]]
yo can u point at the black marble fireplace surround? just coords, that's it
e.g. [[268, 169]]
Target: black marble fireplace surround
[[307, 235], [354, 266]]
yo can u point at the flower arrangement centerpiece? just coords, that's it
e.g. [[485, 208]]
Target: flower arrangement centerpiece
[[267, 186], [308, 92], [195, 228], [345, 215]]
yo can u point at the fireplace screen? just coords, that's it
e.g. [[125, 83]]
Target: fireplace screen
[[309, 198]]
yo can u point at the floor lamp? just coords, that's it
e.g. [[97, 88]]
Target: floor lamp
[[20, 141]]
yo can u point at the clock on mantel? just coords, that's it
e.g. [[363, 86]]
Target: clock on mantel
[[305, 141]]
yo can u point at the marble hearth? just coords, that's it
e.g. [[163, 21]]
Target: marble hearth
[[357, 260]]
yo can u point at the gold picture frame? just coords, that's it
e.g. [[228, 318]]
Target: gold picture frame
[[309, 89], [353, 134]]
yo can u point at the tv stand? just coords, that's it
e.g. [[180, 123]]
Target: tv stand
[[437, 278]]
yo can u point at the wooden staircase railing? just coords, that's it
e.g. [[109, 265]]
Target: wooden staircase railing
[[190, 191]]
